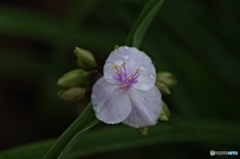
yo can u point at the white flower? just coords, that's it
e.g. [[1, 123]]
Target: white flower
[[127, 92]]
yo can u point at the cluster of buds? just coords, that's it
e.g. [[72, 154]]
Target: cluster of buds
[[165, 80], [77, 82]]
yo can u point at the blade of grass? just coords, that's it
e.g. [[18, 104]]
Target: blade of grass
[[84, 122], [142, 22]]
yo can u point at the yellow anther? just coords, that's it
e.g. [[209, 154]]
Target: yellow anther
[[114, 66], [137, 71], [130, 77], [124, 64], [117, 73], [123, 85]]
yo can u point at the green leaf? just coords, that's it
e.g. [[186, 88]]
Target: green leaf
[[142, 22], [121, 137], [65, 142]]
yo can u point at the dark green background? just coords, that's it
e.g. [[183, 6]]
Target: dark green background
[[197, 40]]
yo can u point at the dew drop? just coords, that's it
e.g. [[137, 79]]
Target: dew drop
[[125, 47], [108, 64], [151, 76], [97, 108], [142, 67], [144, 86], [119, 61], [126, 56]]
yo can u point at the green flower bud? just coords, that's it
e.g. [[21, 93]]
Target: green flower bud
[[143, 130], [167, 78], [163, 118], [116, 47], [85, 58], [163, 88], [72, 94], [77, 77], [165, 113]]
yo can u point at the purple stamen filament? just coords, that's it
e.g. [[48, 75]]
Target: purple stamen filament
[[125, 77]]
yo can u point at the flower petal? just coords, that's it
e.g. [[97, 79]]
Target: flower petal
[[111, 105], [134, 59], [146, 108]]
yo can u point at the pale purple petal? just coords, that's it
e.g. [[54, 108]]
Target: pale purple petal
[[111, 104], [146, 107], [134, 60]]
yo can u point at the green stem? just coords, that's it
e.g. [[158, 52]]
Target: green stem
[[84, 122]]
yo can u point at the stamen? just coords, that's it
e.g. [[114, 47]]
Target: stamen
[[114, 66], [137, 71], [124, 76], [123, 85]]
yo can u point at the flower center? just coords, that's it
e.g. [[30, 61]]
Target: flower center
[[125, 77]]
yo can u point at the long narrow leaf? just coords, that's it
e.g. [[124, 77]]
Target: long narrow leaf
[[85, 121], [142, 23], [122, 137]]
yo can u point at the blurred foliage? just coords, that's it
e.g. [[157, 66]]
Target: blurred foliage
[[195, 40]]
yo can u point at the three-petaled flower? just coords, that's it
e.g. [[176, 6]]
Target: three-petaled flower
[[127, 93]]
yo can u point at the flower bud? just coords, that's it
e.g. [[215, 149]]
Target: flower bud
[[85, 58], [163, 88], [116, 47], [143, 130], [77, 77], [167, 78], [165, 113], [72, 94]]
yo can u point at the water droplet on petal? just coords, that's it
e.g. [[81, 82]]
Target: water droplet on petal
[[150, 92], [144, 86], [125, 47], [142, 67], [151, 76], [126, 56], [119, 61], [97, 108], [108, 64]]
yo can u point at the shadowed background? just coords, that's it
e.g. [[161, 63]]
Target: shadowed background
[[196, 40]]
